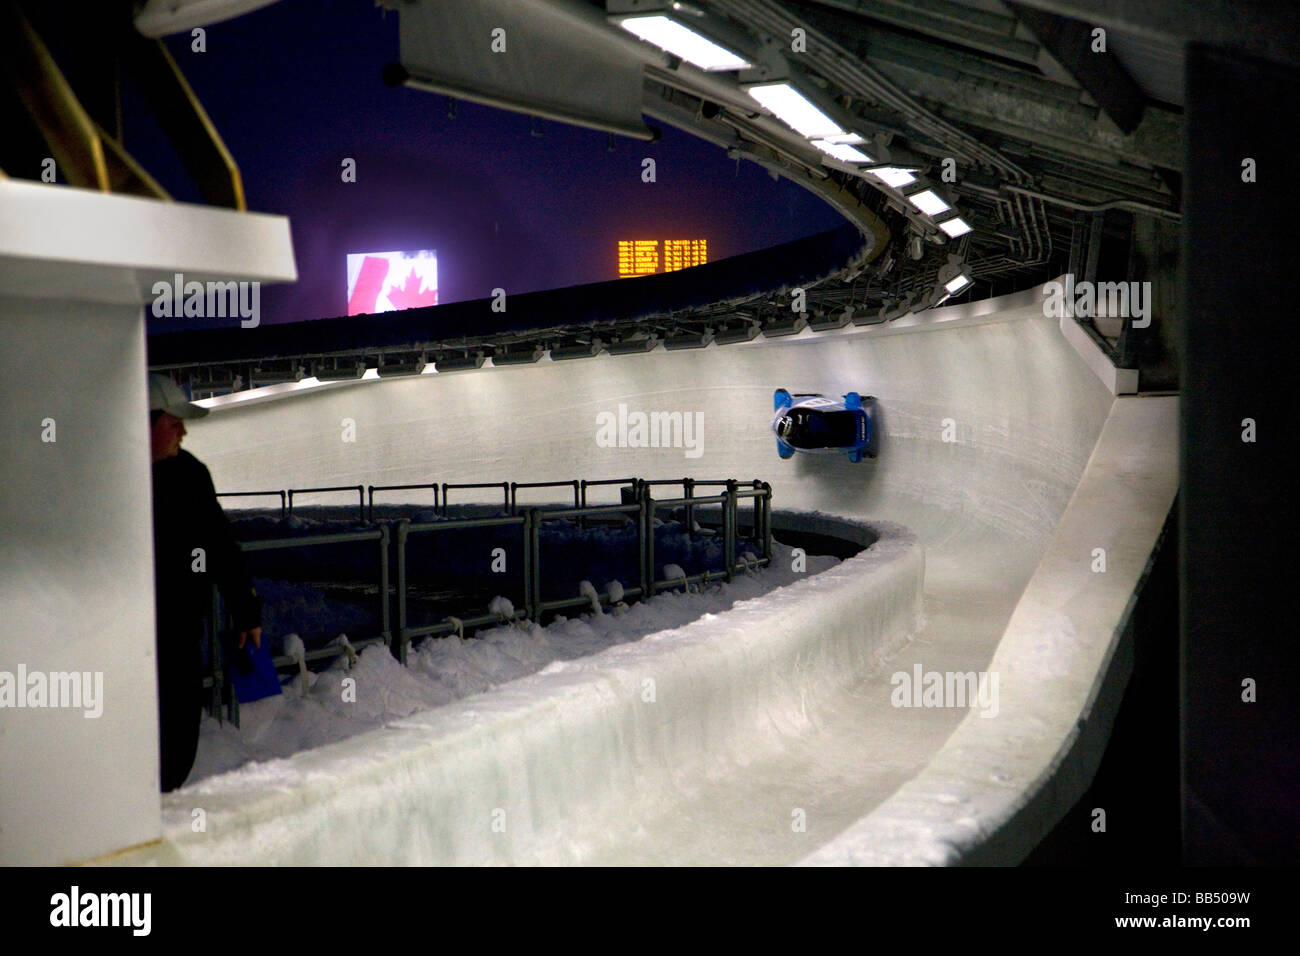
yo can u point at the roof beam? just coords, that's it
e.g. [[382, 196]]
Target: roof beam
[[1264, 28], [1101, 74], [989, 32]]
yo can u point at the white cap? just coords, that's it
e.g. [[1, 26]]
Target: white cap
[[166, 396]]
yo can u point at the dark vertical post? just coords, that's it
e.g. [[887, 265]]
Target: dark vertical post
[[399, 648], [688, 490], [729, 512], [1238, 351], [384, 539], [647, 541], [767, 522], [533, 584]]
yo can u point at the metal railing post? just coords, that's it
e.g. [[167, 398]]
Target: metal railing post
[[688, 491], [282, 511], [403, 529], [533, 565], [767, 522], [647, 541], [729, 513], [385, 622]]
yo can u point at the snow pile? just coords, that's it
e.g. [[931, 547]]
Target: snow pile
[[588, 590], [443, 670]]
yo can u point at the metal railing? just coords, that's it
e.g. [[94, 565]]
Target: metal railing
[[361, 496], [641, 510], [503, 485], [516, 485], [374, 488], [451, 624], [217, 680], [255, 494]]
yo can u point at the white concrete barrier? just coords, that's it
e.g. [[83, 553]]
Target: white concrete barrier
[[76, 550], [552, 768]]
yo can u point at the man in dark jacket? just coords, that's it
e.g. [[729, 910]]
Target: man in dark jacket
[[193, 549]]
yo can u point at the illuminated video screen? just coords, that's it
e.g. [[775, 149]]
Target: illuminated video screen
[[386, 281], [643, 257]]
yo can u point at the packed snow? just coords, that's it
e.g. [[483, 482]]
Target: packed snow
[[349, 699]]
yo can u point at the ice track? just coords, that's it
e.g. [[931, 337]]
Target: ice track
[[771, 737]]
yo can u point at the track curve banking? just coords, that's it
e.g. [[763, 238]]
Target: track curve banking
[[988, 420]]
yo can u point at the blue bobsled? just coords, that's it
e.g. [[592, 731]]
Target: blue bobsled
[[813, 424]]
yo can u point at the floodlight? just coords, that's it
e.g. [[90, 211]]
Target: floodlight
[[843, 151], [928, 201], [680, 40], [954, 227], [795, 110]]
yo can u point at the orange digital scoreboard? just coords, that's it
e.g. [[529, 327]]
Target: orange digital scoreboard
[[643, 257]]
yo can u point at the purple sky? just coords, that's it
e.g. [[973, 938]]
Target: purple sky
[[294, 88]]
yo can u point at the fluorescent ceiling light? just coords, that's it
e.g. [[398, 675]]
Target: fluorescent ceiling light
[[668, 34], [853, 139], [955, 285], [928, 202], [954, 227], [795, 110], [842, 151], [893, 176]]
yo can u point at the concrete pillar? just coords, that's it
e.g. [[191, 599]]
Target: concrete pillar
[[76, 548]]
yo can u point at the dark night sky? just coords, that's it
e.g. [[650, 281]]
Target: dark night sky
[[294, 88]]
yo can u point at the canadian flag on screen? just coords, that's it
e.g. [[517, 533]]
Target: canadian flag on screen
[[384, 281]]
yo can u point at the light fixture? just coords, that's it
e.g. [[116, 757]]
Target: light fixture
[[928, 201], [269, 376], [578, 350], [775, 328], [741, 333], [953, 278], [689, 340], [343, 372], [954, 227], [836, 319], [414, 366], [795, 110], [853, 139], [633, 345], [459, 363], [524, 356], [893, 176], [842, 151], [680, 40], [890, 310]]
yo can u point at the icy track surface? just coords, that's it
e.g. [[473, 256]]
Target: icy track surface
[[771, 732], [443, 670]]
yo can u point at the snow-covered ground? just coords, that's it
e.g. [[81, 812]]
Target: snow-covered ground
[[442, 670]]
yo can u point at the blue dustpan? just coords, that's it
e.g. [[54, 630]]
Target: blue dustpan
[[253, 673]]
